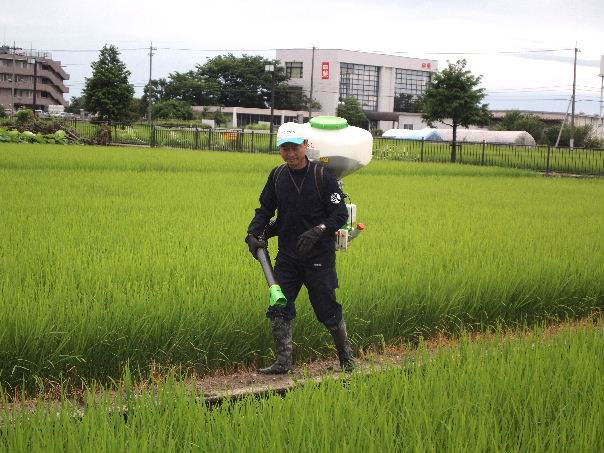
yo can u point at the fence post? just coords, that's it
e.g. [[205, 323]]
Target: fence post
[[253, 150], [484, 145], [196, 138], [459, 153], [547, 169], [153, 138], [210, 133], [421, 151]]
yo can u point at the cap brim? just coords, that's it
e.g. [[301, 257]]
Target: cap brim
[[297, 141]]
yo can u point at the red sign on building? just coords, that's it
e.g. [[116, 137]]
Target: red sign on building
[[325, 70]]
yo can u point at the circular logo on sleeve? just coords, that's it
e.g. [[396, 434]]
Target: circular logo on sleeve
[[335, 198]]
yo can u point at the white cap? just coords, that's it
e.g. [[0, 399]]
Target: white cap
[[290, 133]]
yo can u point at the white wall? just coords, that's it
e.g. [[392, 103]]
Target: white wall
[[326, 91]]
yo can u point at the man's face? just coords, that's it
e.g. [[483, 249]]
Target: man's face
[[294, 155]]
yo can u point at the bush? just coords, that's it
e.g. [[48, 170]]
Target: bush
[[258, 127], [7, 122], [14, 136], [25, 116], [2, 111], [180, 123], [172, 109]]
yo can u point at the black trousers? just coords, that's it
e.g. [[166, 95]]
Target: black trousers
[[321, 280]]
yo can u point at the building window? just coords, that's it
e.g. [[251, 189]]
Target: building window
[[293, 69], [408, 126], [361, 82], [409, 86]]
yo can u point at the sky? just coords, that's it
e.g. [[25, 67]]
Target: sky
[[501, 41]]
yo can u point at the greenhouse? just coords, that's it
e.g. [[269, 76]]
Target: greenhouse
[[463, 135]]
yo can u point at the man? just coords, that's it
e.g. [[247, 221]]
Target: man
[[310, 209]]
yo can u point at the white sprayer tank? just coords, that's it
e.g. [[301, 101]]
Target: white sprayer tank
[[343, 149]]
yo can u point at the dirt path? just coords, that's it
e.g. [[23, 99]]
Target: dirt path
[[220, 385]]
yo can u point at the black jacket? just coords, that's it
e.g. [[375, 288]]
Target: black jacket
[[319, 200]]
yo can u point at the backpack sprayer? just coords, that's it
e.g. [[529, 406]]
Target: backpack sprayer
[[342, 149]]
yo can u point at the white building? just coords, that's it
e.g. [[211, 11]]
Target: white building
[[387, 86]]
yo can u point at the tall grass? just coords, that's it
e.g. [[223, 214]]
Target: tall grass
[[539, 393], [113, 255]]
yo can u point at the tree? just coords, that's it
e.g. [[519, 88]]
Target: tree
[[453, 98], [75, 105], [191, 87], [292, 97], [232, 81], [404, 102], [517, 121], [153, 92], [108, 92], [135, 110], [352, 111], [172, 109], [242, 81], [583, 136]]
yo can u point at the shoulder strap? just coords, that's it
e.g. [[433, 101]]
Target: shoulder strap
[[277, 172], [319, 179]]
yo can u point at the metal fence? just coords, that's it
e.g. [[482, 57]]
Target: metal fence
[[540, 158]]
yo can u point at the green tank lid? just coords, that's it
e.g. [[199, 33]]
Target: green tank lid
[[328, 122]]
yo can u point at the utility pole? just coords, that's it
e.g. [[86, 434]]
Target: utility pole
[[563, 121], [572, 117], [150, 90], [312, 77], [601, 96], [13, 80], [601, 93], [272, 68], [35, 61]]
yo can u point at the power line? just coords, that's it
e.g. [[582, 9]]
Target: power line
[[192, 49], [504, 52]]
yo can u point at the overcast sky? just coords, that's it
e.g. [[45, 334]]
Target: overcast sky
[[437, 29]]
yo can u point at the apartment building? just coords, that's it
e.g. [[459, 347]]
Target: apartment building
[[30, 79]]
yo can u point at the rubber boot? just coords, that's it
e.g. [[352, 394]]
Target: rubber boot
[[282, 333], [340, 338]]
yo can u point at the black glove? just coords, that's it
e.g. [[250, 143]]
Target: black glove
[[254, 244], [309, 238]]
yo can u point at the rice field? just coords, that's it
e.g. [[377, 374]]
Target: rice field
[[536, 393], [540, 158], [111, 256]]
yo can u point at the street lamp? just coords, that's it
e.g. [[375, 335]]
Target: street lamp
[[271, 68]]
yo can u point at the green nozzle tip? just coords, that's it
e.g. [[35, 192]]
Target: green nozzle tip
[[276, 297]]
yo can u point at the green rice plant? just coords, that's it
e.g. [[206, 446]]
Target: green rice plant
[[536, 393], [116, 255], [527, 157]]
